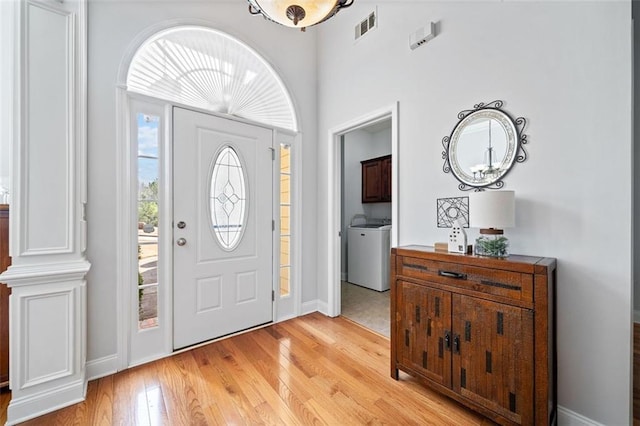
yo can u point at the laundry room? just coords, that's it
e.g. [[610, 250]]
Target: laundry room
[[366, 225]]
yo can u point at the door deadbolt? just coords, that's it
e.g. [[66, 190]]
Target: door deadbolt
[[181, 225], [181, 241]]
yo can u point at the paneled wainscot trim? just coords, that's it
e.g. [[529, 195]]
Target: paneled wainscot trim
[[48, 342]]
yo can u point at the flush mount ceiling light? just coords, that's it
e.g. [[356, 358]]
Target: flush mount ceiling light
[[297, 13]]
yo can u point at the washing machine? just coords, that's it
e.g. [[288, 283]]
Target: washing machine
[[368, 255]]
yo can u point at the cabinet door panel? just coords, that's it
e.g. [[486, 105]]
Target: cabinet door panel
[[425, 318], [493, 356], [386, 179], [371, 181]]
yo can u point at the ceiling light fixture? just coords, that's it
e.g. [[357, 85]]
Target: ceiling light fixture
[[303, 12], [488, 169]]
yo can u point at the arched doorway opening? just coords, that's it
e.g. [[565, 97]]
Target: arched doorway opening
[[204, 71]]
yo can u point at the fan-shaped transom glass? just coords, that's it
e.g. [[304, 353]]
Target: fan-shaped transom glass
[[228, 198], [208, 69]]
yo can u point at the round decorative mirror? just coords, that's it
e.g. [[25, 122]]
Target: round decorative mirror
[[483, 146]]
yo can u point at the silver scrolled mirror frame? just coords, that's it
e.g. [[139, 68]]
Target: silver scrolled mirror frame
[[475, 178]]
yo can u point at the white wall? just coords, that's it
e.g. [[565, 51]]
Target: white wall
[[566, 67], [360, 145], [113, 25]]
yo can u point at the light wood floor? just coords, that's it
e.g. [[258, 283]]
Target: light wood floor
[[309, 370]]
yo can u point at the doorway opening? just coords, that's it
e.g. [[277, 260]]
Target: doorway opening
[[213, 73], [366, 224], [378, 136]]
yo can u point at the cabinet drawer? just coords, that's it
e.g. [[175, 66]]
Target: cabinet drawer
[[509, 284]]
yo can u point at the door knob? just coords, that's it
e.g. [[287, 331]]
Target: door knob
[[181, 225], [181, 241]]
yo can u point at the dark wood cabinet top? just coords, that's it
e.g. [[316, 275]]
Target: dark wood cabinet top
[[376, 159], [515, 262]]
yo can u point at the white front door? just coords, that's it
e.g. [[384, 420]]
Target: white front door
[[222, 226]]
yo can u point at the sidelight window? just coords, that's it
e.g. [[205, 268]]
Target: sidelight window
[[148, 169], [285, 220]]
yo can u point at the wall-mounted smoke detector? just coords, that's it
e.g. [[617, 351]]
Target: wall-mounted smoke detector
[[422, 35], [367, 24]]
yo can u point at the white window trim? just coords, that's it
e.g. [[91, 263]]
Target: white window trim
[[151, 343], [289, 306]]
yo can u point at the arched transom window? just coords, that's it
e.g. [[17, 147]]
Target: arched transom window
[[208, 69]]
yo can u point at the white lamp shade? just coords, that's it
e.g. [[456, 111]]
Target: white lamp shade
[[315, 11], [492, 209]]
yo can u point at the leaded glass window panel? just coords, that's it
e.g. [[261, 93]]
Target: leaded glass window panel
[[228, 198]]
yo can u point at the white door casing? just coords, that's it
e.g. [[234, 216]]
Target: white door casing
[[334, 204], [219, 290]]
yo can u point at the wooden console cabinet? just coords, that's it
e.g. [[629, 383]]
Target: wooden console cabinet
[[376, 180], [479, 330], [5, 261]]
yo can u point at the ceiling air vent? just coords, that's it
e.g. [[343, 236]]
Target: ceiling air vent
[[366, 25]]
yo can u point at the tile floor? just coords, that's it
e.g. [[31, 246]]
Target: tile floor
[[367, 307]]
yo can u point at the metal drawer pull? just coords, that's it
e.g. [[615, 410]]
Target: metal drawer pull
[[455, 275]]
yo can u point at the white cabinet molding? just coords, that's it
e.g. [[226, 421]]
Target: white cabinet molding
[[47, 312], [47, 337], [48, 131]]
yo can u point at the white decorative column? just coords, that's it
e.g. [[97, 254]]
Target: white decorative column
[[47, 231]]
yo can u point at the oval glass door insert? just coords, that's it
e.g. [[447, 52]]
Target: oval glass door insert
[[228, 198]]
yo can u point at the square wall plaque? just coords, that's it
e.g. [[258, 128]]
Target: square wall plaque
[[450, 209]]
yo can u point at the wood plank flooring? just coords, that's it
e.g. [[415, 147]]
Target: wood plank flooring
[[309, 370]]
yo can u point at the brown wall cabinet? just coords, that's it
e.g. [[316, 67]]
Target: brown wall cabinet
[[5, 261], [376, 180], [479, 330]]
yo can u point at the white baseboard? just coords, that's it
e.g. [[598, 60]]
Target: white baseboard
[[567, 417], [309, 307], [101, 367], [636, 316], [323, 307], [26, 408], [285, 318], [315, 306]]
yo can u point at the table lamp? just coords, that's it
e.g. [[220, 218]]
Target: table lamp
[[491, 211]]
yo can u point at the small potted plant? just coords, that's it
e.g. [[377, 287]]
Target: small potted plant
[[493, 247]]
